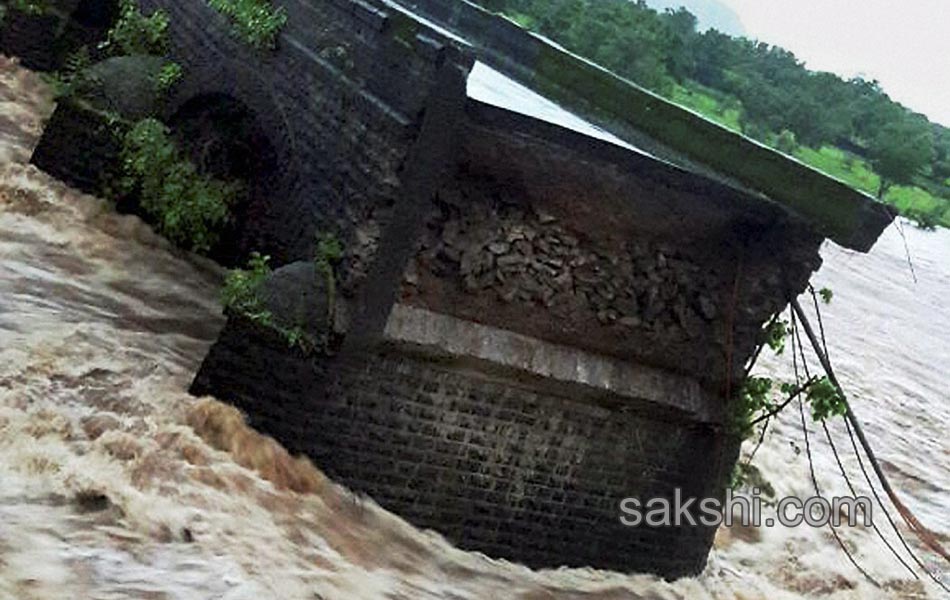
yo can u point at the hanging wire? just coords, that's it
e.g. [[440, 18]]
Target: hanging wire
[[867, 476], [854, 494], [798, 352], [919, 529], [900, 536], [796, 343], [745, 376], [910, 262], [758, 444], [760, 347]]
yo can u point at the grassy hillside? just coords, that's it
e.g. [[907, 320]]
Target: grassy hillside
[[924, 207], [709, 104], [912, 201], [761, 90]]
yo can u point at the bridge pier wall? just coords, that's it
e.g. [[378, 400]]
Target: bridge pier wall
[[497, 463], [37, 40], [564, 337]]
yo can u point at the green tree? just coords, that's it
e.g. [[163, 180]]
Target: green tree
[[900, 150], [786, 142], [769, 87]]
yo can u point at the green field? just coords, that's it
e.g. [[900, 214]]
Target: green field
[[920, 205], [913, 202], [841, 165], [704, 102]]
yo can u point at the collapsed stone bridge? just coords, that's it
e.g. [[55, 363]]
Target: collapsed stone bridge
[[535, 317]]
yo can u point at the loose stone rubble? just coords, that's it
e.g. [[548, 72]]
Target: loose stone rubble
[[530, 257]]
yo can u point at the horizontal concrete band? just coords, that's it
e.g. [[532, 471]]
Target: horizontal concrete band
[[446, 335]]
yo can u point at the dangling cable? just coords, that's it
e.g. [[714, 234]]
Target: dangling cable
[[854, 494], [922, 532], [867, 476], [796, 342], [834, 450]]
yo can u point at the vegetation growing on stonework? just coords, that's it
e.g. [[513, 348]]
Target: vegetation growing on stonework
[[241, 291], [28, 7], [169, 75], [71, 79], [188, 208], [257, 22], [137, 33], [329, 252], [133, 34], [755, 400], [241, 295], [755, 397]]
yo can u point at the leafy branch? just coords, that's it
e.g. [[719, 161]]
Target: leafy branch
[[825, 400], [792, 392], [753, 403], [187, 207], [137, 33], [329, 253], [257, 22]]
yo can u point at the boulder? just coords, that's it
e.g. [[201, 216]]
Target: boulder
[[297, 295], [126, 85]]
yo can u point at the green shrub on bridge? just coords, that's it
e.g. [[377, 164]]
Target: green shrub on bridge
[[169, 75], [137, 33], [188, 208], [242, 290], [27, 7], [242, 295], [257, 22]]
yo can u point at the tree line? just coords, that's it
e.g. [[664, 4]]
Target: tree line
[[779, 100]]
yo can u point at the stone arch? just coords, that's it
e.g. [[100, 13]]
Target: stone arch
[[215, 78], [96, 17], [89, 23], [226, 139]]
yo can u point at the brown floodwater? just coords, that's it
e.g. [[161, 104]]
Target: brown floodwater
[[115, 483]]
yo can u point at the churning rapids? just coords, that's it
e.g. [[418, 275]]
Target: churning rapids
[[115, 483]]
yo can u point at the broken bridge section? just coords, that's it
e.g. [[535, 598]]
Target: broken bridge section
[[553, 326]]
